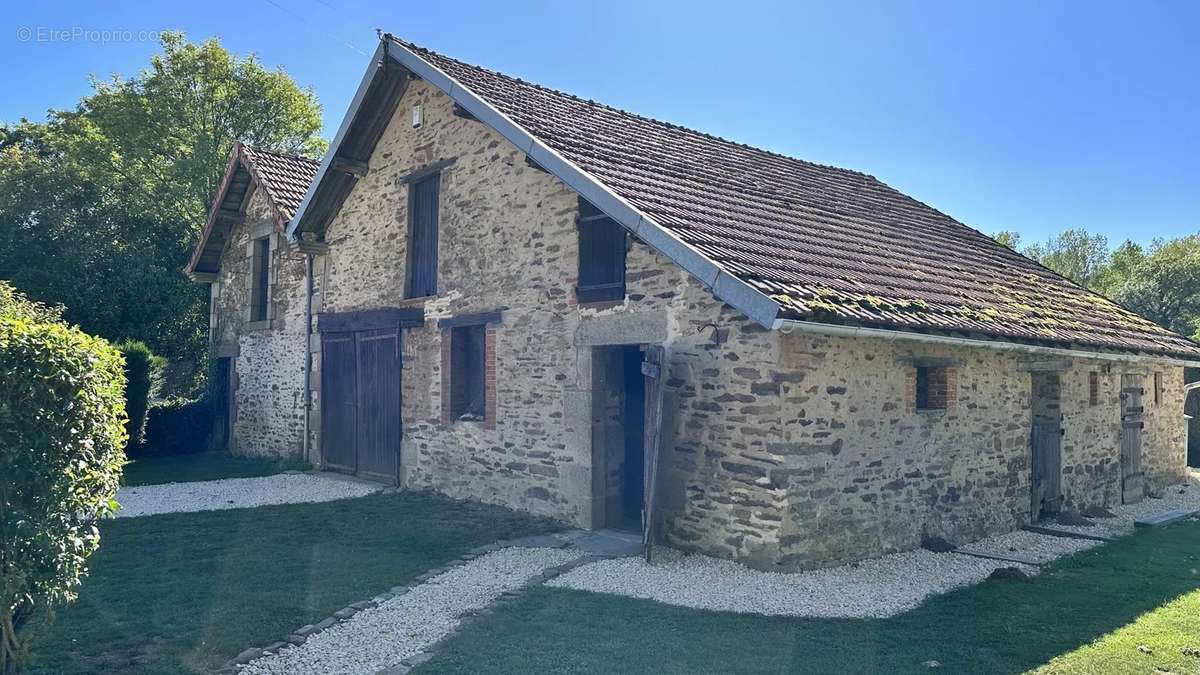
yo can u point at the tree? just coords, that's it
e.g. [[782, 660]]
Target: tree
[[1162, 284], [1008, 238], [1075, 254], [105, 201], [62, 427]]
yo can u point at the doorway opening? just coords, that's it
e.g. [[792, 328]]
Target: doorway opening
[[222, 397], [1046, 446], [618, 436]]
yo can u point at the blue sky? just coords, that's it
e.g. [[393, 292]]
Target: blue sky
[[1029, 116]]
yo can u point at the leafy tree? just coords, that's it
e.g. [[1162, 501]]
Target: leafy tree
[[1008, 238], [1162, 284], [105, 201], [1075, 254], [62, 427]]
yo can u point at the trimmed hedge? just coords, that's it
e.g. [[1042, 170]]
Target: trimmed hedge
[[62, 431], [140, 364], [179, 426]]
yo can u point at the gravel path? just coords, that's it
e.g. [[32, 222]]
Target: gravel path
[[1038, 547], [878, 588], [1186, 496], [238, 493], [382, 636]]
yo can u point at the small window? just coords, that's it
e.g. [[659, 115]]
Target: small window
[[423, 237], [1093, 388], [602, 244], [933, 388], [1158, 388], [260, 279], [467, 372]]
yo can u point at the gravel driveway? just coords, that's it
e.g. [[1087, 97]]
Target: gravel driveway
[[239, 493], [382, 636]]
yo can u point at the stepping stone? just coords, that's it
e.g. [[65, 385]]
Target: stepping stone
[[1066, 534], [1010, 557], [1164, 518], [248, 655]]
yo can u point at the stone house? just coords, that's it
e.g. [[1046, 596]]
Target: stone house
[[515, 295]]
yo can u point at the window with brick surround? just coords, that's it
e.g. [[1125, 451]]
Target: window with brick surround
[[467, 392], [1158, 388], [933, 388], [1093, 388]]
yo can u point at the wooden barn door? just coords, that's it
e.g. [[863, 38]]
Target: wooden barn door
[[360, 402], [339, 402], [378, 439], [1132, 484], [1046, 445]]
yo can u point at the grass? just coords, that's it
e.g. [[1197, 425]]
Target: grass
[[1139, 590], [1166, 633], [201, 466], [181, 593]]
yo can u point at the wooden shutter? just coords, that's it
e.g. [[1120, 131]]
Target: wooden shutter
[[601, 256], [260, 279], [423, 237]]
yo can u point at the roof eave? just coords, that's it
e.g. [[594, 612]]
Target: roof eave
[[753, 303], [374, 68], [843, 330]]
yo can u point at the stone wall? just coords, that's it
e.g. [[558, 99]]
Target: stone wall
[[783, 449], [847, 471], [268, 357]]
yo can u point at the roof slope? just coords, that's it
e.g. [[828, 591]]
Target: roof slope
[[283, 178], [827, 244]]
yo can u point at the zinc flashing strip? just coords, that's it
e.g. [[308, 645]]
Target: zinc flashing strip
[[725, 286], [835, 330]]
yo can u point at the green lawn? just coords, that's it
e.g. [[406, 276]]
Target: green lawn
[[995, 627], [181, 593], [199, 466]]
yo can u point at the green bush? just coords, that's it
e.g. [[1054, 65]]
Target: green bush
[[62, 430], [179, 426], [141, 366]]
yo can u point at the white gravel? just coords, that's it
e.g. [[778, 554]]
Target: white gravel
[[383, 636], [238, 493], [878, 588], [1185, 496], [1041, 548]]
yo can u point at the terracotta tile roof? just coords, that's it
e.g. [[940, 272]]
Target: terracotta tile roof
[[285, 178], [827, 244]]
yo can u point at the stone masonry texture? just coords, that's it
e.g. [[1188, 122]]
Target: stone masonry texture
[[785, 450]]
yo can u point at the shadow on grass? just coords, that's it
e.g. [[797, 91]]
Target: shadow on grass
[[181, 593], [995, 627]]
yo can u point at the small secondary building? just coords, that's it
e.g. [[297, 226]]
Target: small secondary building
[[514, 295]]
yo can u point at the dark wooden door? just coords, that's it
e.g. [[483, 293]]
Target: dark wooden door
[[378, 441], [1133, 487], [222, 403], [339, 402], [1047, 469]]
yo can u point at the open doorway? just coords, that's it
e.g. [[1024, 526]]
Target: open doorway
[[1046, 445], [618, 436]]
